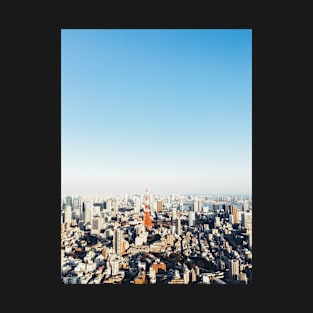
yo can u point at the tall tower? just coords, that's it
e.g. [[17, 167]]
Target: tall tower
[[147, 218], [117, 241]]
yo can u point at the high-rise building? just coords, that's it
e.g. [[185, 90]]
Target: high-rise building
[[114, 266], [216, 207], [191, 218], [232, 209], [89, 203], [217, 221], [234, 268], [197, 206], [137, 205], [88, 212], [115, 205], [231, 219], [76, 208], [174, 215], [245, 206], [117, 241], [246, 221], [178, 226], [181, 206], [159, 206], [68, 201], [109, 205], [68, 216], [95, 225]]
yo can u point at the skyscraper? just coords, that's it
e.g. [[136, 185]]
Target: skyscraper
[[68, 216], [76, 208], [109, 205], [178, 229], [88, 212], [232, 209], [181, 206], [245, 206], [137, 205], [197, 205], [117, 241], [234, 269], [159, 206], [115, 205], [191, 218], [114, 262], [246, 220], [68, 200], [95, 225], [174, 215]]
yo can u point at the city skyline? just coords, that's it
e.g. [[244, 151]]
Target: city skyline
[[170, 107]]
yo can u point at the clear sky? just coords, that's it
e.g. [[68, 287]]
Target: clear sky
[[171, 107]]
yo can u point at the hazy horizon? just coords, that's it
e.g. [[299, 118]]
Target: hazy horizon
[[169, 106]]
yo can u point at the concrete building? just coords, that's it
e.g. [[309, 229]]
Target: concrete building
[[246, 221], [191, 218], [95, 226], [178, 228], [137, 205], [68, 216], [233, 269], [197, 206], [159, 206], [117, 241]]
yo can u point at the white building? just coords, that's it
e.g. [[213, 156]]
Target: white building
[[197, 206], [68, 215], [234, 268], [246, 221], [191, 218], [95, 225], [114, 266], [137, 205]]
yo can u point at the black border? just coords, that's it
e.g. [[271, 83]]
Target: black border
[[40, 174]]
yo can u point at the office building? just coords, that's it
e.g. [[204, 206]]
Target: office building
[[137, 205], [197, 206], [246, 221], [178, 228], [232, 209], [233, 268], [95, 225], [191, 218], [117, 241], [68, 201], [159, 206], [68, 216]]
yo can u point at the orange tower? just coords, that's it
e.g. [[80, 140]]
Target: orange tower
[[147, 219]]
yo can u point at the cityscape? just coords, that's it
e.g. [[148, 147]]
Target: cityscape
[[156, 239], [156, 157]]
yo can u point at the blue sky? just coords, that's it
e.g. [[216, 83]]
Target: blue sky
[[171, 107]]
